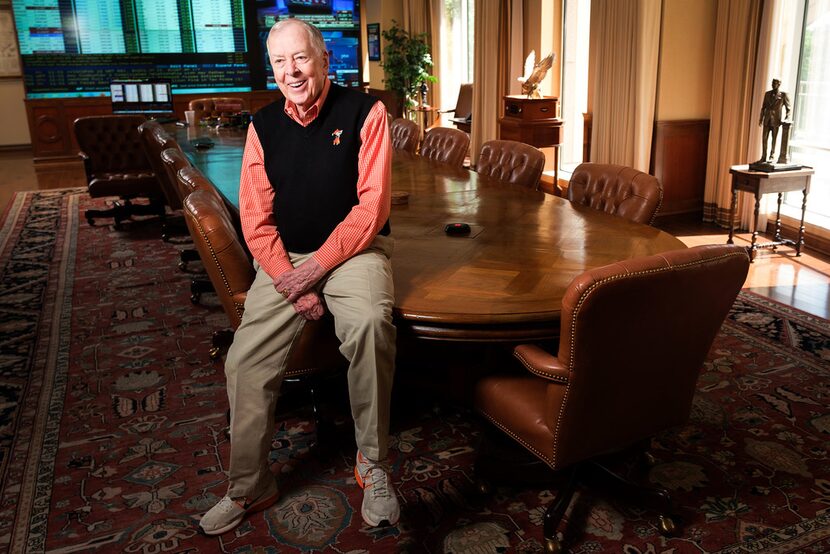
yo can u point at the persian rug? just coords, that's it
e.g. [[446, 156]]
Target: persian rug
[[112, 426]]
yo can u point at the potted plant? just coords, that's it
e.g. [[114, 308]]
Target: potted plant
[[406, 64]]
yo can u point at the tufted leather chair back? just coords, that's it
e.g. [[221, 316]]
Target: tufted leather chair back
[[155, 139], [114, 157], [617, 190], [405, 135], [226, 263], [513, 162], [446, 145], [634, 336], [191, 179], [173, 160], [214, 106], [232, 273]]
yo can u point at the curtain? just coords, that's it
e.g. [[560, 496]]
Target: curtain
[[424, 16], [502, 21], [623, 57], [733, 81]]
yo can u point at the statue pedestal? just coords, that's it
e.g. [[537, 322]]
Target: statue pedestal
[[769, 167], [782, 163]]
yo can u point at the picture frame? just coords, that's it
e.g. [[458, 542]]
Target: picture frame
[[10, 67], [373, 41]]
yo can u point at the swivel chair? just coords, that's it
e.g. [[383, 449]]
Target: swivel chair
[[445, 145], [215, 106], [634, 336], [315, 354], [512, 162], [617, 190], [116, 165], [405, 135]]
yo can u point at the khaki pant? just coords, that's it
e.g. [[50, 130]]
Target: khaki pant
[[359, 294]]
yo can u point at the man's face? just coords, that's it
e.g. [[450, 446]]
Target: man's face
[[775, 84], [299, 70]]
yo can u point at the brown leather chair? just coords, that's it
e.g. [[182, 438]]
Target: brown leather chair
[[174, 159], [116, 165], [617, 190], [513, 162], [633, 338], [445, 145], [463, 110], [316, 352], [155, 139], [190, 179], [216, 106], [405, 135]]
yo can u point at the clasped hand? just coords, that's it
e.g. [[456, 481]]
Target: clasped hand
[[296, 286]]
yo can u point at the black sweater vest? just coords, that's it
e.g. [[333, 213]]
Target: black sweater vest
[[313, 169]]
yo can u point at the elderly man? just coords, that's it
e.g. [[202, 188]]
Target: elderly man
[[314, 201]]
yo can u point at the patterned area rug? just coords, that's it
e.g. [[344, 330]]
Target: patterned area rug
[[112, 426]]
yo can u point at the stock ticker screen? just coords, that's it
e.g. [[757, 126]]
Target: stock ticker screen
[[78, 47]]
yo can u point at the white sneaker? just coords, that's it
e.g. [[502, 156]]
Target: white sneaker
[[380, 504], [229, 512]]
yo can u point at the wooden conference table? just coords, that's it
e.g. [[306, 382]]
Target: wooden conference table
[[502, 282]]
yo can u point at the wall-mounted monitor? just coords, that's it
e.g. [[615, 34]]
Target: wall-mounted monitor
[[154, 98], [338, 21], [77, 47]]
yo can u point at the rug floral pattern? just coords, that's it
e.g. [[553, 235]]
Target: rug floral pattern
[[112, 427]]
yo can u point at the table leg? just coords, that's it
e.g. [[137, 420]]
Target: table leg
[[777, 235], [800, 242], [556, 188], [752, 247], [732, 215]]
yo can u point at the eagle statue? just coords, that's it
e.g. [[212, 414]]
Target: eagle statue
[[534, 73]]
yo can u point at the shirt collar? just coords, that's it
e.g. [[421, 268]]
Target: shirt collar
[[312, 113]]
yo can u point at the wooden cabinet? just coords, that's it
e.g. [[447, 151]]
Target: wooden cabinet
[[533, 121]]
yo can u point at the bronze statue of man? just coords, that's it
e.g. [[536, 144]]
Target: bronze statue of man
[[774, 101]]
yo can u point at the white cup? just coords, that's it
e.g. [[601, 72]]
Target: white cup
[[190, 117]]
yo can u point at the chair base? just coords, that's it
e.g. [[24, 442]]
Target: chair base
[[496, 458], [186, 256], [198, 287], [124, 209]]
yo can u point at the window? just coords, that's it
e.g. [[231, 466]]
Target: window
[[810, 133], [456, 50], [574, 95]]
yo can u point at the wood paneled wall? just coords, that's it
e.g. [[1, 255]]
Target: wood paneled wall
[[50, 120], [678, 159]]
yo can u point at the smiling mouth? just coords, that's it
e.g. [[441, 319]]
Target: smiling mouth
[[296, 85]]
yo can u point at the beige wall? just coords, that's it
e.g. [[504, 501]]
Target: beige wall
[[14, 129], [684, 78], [383, 12]]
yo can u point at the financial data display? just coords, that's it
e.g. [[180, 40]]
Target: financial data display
[[77, 47], [338, 21]]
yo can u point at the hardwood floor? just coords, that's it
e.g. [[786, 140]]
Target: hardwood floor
[[802, 282]]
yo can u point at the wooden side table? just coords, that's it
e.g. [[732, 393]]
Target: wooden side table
[[533, 121], [760, 183]]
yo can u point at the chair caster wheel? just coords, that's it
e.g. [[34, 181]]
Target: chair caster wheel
[[666, 526], [553, 546], [194, 298], [215, 353], [182, 266]]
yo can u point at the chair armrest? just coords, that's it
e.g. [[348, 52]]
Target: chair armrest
[[540, 363], [87, 164]]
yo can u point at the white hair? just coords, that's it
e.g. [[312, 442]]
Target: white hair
[[315, 37]]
